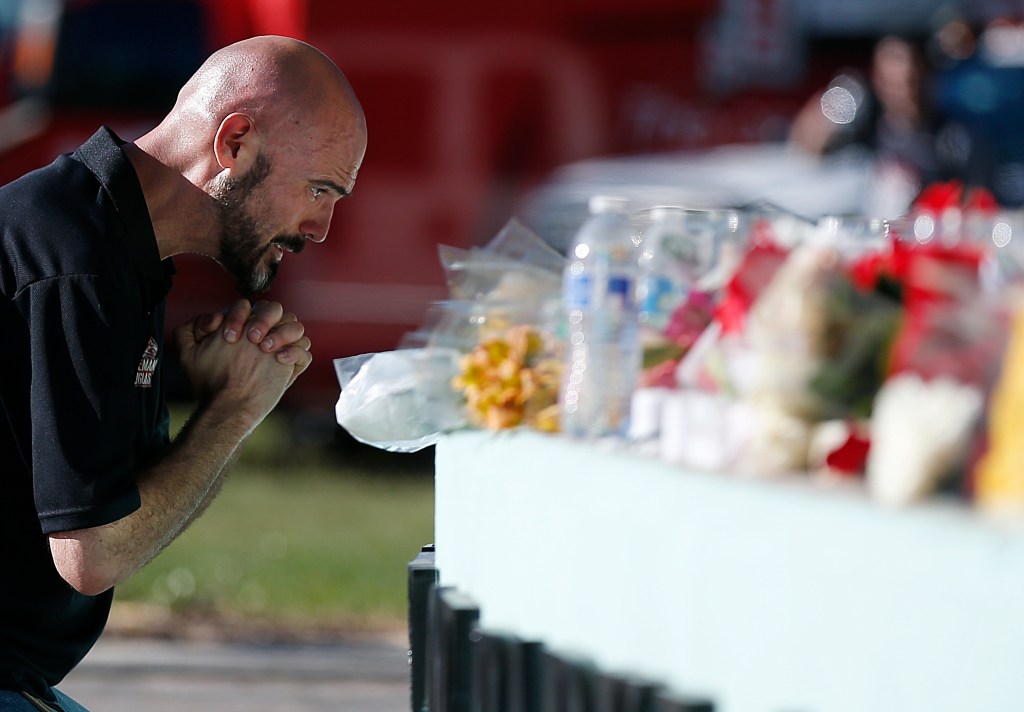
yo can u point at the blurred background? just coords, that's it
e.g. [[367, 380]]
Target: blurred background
[[478, 113]]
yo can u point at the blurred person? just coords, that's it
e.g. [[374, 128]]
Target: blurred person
[[979, 89], [887, 115], [246, 167]]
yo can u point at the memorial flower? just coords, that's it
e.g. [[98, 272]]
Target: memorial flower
[[511, 380]]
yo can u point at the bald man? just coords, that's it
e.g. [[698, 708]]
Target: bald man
[[246, 168]]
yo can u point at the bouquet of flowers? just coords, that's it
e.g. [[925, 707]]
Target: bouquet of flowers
[[511, 379], [870, 349], [502, 321], [486, 357]]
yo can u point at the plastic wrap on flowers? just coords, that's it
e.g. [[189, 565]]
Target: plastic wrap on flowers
[[514, 266], [912, 348], [818, 342], [503, 320], [704, 420], [794, 355], [484, 358], [942, 420], [721, 288], [928, 424], [398, 400]]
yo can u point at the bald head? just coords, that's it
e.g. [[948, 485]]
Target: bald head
[[264, 76], [288, 88], [265, 101]]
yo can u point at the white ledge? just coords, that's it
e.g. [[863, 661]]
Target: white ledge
[[763, 595]]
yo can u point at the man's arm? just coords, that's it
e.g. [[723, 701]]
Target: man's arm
[[238, 384], [264, 323]]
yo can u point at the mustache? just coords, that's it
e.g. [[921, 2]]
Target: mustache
[[293, 243]]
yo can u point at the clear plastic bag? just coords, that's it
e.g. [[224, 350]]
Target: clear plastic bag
[[404, 400], [401, 400], [515, 265]]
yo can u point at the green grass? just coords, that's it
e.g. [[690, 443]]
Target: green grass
[[300, 534]]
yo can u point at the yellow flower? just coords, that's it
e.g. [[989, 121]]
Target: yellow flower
[[508, 380], [546, 420]]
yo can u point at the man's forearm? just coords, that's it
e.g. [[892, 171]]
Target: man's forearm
[[218, 483], [239, 384], [173, 493]]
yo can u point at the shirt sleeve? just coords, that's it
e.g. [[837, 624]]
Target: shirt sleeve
[[84, 409]]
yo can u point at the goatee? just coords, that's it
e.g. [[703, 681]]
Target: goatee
[[241, 250]]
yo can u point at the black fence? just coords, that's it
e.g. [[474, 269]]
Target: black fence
[[457, 666]]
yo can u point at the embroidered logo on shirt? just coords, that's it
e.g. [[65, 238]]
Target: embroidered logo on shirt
[[147, 366]]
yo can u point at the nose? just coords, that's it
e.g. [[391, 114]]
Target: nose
[[316, 228]]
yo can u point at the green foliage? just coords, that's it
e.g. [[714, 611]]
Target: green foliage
[[860, 328]]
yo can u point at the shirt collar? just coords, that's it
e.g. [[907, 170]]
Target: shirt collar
[[104, 156]]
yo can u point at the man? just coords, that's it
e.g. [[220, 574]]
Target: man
[[246, 167]]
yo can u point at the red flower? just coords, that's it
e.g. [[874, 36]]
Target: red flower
[[982, 200], [755, 271], [941, 283], [939, 196], [851, 457], [891, 263], [690, 319]]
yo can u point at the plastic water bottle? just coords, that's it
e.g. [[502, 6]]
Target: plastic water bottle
[[679, 248], [603, 351], [663, 282]]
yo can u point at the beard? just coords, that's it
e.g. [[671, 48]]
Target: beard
[[242, 249]]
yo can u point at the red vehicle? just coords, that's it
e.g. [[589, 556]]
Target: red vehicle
[[467, 109]]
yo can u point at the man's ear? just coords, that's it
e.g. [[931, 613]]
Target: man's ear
[[235, 144]]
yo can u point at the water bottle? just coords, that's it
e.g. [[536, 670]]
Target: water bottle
[[663, 282], [680, 247], [603, 351]]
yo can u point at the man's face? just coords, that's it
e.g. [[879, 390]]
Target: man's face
[[247, 251]]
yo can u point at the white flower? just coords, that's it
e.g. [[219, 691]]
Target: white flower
[[920, 431]]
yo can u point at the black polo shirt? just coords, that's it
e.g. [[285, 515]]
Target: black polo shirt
[[81, 400]]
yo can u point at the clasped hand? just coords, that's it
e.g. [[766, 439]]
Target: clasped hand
[[262, 350]]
